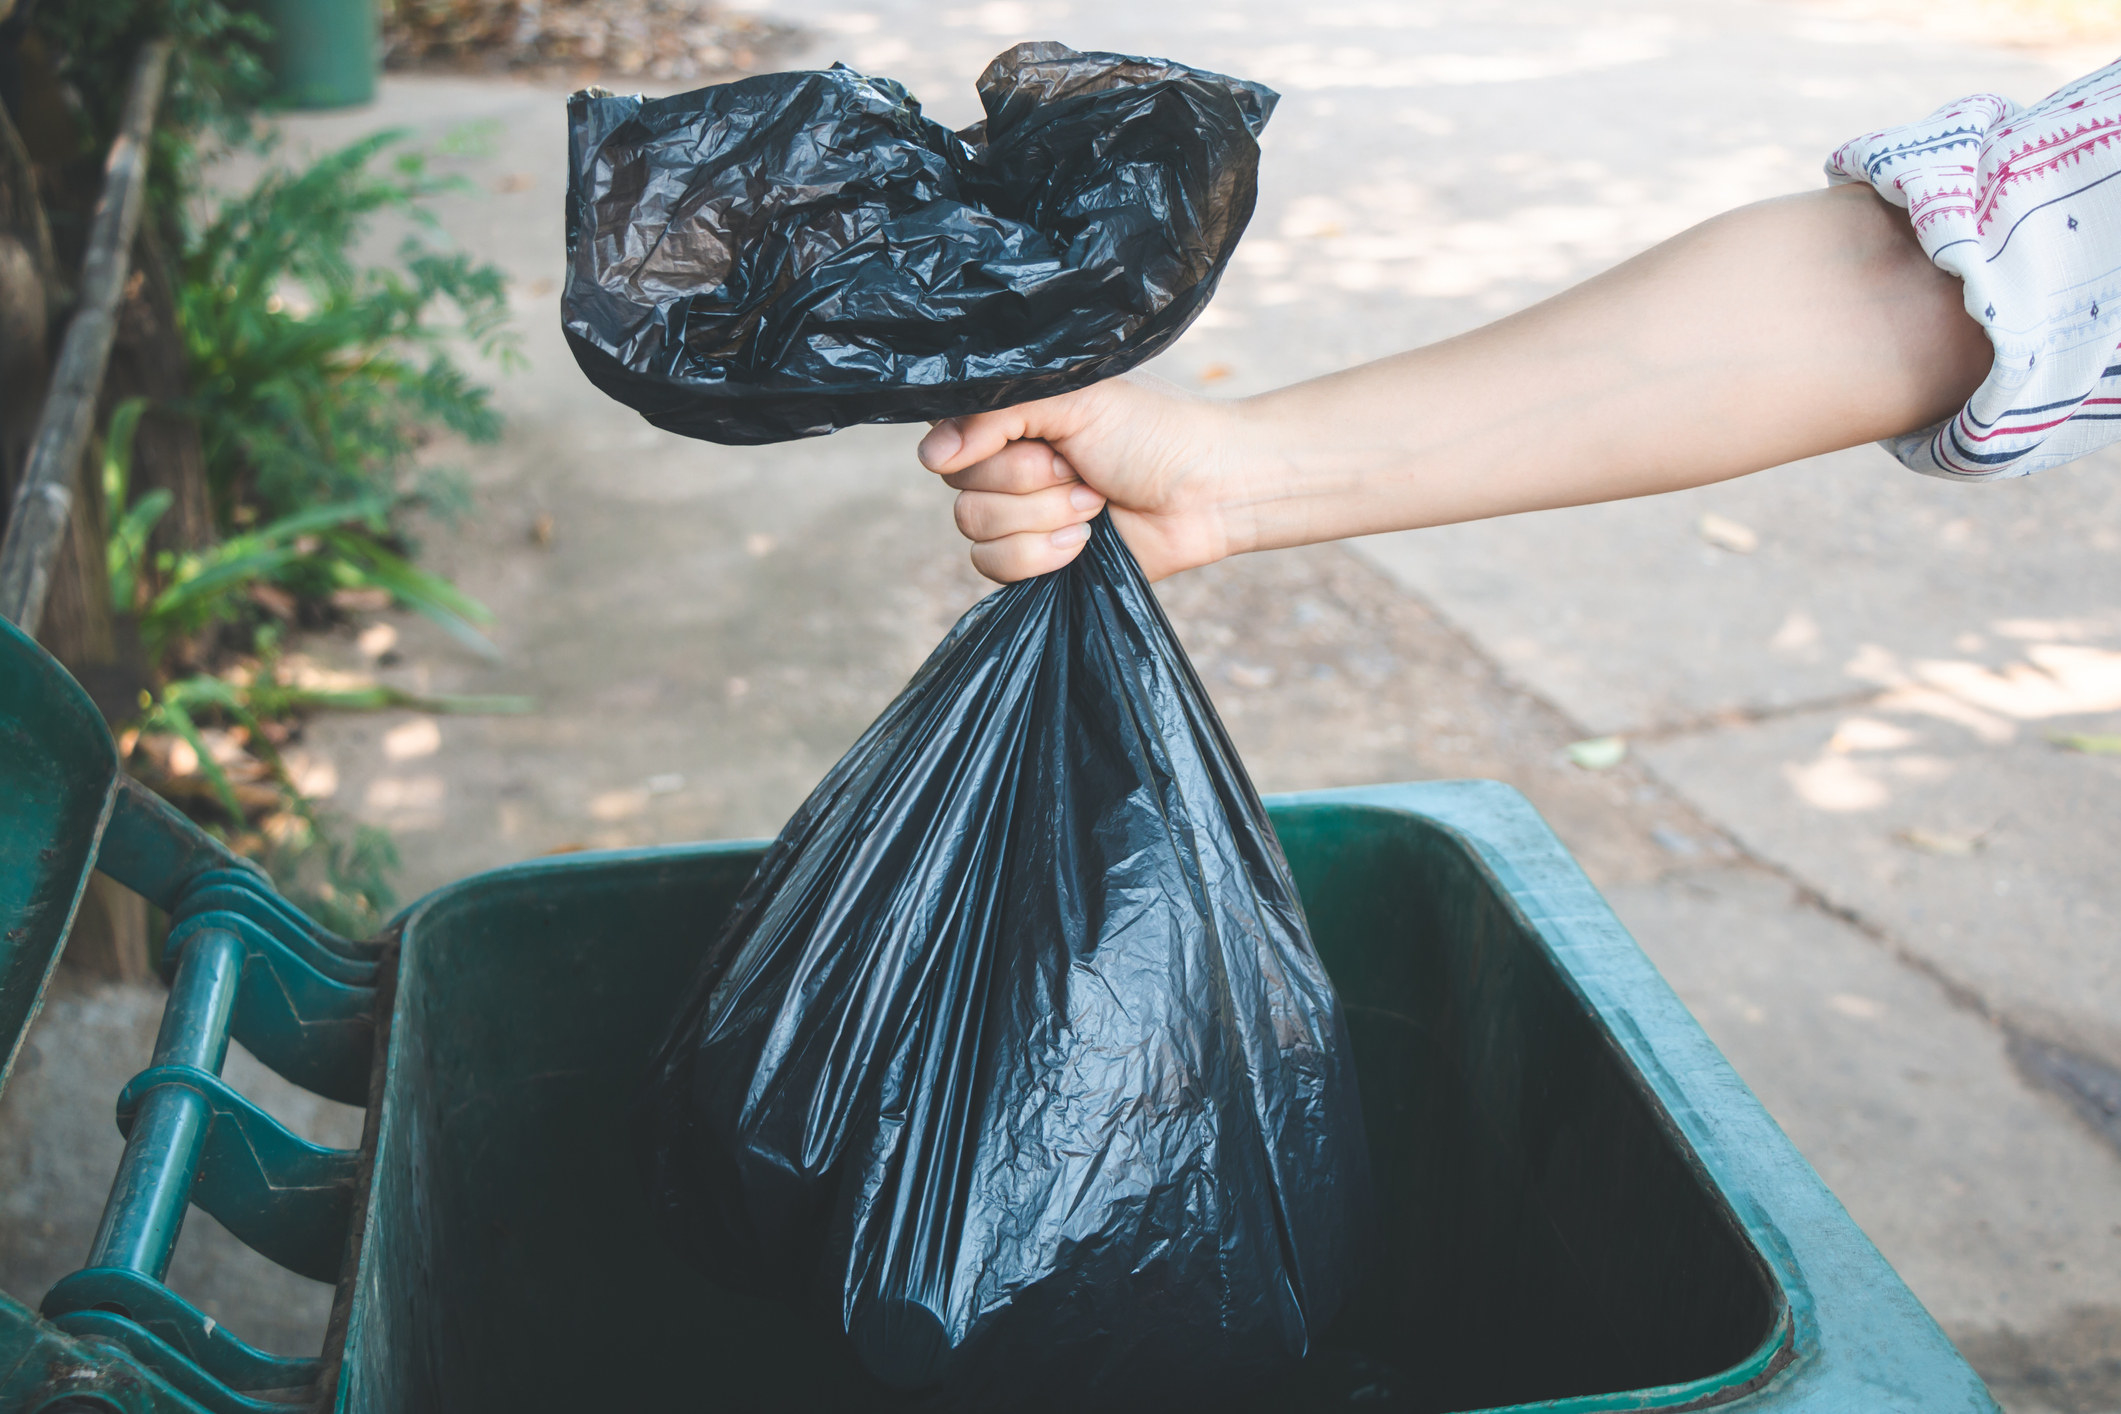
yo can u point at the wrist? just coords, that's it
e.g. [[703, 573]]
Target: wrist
[[1228, 479], [1269, 484], [1232, 486], [1186, 506]]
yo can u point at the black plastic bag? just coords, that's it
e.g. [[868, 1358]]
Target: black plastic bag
[[794, 253], [1015, 1061]]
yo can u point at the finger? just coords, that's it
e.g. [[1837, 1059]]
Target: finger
[[1019, 467], [944, 448], [1016, 557], [989, 515], [957, 442]]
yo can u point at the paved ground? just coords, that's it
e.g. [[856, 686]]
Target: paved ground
[[1841, 831]]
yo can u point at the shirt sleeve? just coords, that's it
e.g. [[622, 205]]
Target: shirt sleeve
[[2023, 205]]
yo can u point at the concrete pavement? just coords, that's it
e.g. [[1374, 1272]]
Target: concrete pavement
[[1817, 726]]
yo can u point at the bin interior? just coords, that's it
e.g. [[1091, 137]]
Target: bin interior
[[1546, 1234]]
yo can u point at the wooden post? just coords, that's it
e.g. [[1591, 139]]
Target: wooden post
[[50, 527], [44, 501]]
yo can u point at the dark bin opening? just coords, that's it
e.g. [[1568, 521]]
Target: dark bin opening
[[1546, 1232]]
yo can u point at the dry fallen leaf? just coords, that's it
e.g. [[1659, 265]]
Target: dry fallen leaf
[[541, 529], [273, 600], [1727, 534], [366, 599], [1599, 753], [515, 182], [1952, 843]]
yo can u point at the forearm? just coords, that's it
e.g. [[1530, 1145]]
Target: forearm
[[1774, 332]]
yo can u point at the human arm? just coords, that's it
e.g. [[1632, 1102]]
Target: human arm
[[1774, 332]]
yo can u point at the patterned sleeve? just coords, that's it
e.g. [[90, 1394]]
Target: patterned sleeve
[[2023, 206]]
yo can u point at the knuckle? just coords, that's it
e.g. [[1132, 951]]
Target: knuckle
[[1051, 503], [1029, 465], [988, 560], [1017, 557]]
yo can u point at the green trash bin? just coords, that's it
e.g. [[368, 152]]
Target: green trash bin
[[1584, 1208], [323, 53]]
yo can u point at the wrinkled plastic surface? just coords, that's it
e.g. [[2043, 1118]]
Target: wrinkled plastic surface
[[1015, 1060], [794, 253]]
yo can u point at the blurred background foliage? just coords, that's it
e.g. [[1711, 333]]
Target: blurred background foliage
[[265, 422], [660, 39]]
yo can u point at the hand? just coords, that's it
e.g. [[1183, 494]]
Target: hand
[[1030, 478]]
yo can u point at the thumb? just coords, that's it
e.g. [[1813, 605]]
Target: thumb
[[957, 442]]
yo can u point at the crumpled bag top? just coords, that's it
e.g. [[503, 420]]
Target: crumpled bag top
[[794, 253]]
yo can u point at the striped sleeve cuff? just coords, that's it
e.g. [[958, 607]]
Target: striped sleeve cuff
[[2023, 205]]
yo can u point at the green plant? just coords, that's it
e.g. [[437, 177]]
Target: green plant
[[130, 524], [310, 554], [315, 380], [316, 377]]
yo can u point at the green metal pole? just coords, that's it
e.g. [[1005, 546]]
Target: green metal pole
[[152, 1192]]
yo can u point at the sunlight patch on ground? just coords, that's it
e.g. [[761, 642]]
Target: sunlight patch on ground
[[1396, 234], [2024, 24], [1295, 68]]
